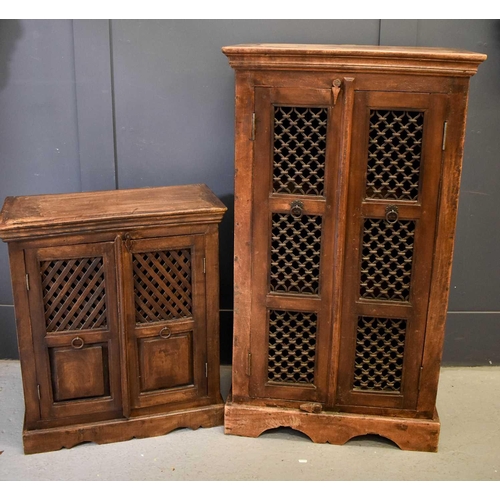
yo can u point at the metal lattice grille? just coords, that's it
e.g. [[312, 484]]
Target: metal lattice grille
[[162, 284], [292, 347], [386, 259], [299, 150], [74, 294], [380, 345], [394, 154], [295, 253]]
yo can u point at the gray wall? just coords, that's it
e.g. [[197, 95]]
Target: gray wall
[[90, 105]]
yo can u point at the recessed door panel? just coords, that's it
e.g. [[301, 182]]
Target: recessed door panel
[[79, 374], [166, 363]]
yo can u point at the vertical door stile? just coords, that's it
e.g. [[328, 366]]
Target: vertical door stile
[[200, 345], [339, 217], [120, 257]]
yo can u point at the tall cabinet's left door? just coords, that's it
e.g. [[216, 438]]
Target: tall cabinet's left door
[[73, 309]]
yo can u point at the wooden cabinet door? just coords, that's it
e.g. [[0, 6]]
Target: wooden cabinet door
[[164, 297], [391, 221], [295, 165], [73, 308]]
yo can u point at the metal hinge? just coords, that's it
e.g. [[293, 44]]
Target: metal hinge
[[253, 126], [445, 129], [249, 364], [204, 265], [38, 391], [28, 282], [206, 370]]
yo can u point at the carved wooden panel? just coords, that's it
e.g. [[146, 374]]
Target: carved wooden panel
[[386, 259], [299, 150], [295, 253], [74, 294], [380, 344], [292, 347], [162, 285], [394, 154]]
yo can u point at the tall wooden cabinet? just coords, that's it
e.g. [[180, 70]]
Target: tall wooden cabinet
[[116, 296], [348, 163]]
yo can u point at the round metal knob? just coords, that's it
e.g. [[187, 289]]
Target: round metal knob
[[77, 343], [391, 213], [296, 208], [165, 333]]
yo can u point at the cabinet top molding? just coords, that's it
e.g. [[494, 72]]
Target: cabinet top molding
[[36, 216], [366, 58]]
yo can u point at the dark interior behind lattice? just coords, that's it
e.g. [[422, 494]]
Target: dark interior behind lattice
[[295, 253], [74, 294], [292, 347], [162, 285], [394, 154], [387, 259], [380, 345], [299, 150]]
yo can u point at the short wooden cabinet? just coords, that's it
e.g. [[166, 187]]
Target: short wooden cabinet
[[116, 298], [348, 162]]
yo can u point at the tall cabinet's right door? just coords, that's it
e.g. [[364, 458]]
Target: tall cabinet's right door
[[394, 180]]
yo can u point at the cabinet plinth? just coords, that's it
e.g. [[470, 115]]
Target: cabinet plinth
[[116, 300], [348, 162]]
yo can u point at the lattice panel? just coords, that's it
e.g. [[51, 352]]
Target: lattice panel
[[394, 154], [299, 150], [380, 345], [292, 347], [386, 259], [162, 284], [295, 253], [74, 294]]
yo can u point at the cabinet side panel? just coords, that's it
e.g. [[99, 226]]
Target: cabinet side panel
[[212, 305], [443, 256], [24, 335], [242, 232]]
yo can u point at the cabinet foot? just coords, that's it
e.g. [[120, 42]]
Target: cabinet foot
[[330, 427], [42, 440]]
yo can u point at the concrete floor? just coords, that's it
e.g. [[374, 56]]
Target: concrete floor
[[468, 404]]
